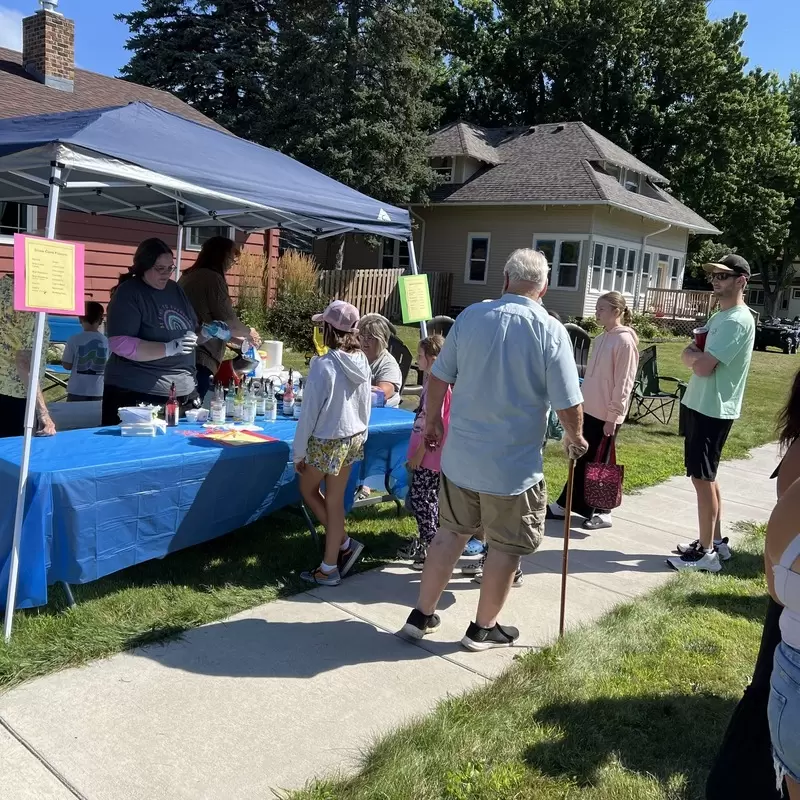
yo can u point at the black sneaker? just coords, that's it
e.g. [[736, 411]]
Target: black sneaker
[[408, 550], [347, 558], [419, 624], [419, 560], [478, 639]]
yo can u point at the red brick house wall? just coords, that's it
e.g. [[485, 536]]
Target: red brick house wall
[[111, 242]]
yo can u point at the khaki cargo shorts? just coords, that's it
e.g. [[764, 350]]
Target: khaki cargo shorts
[[512, 525]]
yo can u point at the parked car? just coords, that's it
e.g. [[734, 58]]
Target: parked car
[[781, 333]]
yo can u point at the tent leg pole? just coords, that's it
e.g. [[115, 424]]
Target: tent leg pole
[[68, 592], [179, 252], [412, 257], [30, 417]]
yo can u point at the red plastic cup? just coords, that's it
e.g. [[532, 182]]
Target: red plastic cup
[[700, 335]]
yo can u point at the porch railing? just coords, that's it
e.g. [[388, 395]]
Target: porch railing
[[679, 304]]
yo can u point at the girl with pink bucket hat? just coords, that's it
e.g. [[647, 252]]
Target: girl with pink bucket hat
[[331, 434]]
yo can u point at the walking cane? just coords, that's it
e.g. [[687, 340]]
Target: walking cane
[[565, 559]]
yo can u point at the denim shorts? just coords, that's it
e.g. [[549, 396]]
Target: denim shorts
[[783, 712]]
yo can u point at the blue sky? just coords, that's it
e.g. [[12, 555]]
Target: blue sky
[[770, 41]]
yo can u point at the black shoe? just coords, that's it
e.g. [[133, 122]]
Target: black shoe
[[419, 624], [419, 559], [347, 558], [408, 551], [478, 639]]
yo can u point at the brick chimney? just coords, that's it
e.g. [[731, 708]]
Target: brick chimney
[[48, 47]]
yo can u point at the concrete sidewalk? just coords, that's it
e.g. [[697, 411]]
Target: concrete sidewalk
[[231, 710]]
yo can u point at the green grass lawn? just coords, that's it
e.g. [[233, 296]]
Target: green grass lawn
[[261, 562], [630, 708]]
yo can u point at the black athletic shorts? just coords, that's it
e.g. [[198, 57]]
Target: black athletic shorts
[[705, 438]]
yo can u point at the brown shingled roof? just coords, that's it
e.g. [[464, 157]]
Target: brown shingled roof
[[22, 95], [556, 163]]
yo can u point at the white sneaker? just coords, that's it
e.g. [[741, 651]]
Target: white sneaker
[[696, 560], [722, 547]]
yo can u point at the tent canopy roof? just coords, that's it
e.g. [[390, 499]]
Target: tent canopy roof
[[140, 162]]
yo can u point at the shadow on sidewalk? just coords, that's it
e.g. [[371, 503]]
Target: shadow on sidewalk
[[256, 648], [649, 735]]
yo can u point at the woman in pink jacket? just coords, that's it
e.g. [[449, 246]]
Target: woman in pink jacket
[[606, 388]]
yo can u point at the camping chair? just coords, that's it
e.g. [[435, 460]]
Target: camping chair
[[403, 357], [61, 329], [648, 399], [581, 342]]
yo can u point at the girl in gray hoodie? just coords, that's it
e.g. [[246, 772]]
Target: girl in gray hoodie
[[330, 436]]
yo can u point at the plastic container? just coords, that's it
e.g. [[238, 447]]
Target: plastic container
[[131, 415], [272, 354]]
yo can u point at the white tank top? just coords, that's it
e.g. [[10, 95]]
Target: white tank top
[[787, 590]]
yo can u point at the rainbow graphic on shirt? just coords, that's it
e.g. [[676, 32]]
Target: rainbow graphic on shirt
[[173, 319]]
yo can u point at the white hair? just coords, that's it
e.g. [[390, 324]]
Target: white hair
[[527, 266]]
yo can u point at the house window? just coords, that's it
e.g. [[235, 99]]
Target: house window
[[394, 254], [197, 237], [16, 218], [477, 266], [569, 260], [795, 294], [619, 277], [645, 284], [597, 268], [755, 297], [608, 270], [548, 247], [563, 258], [675, 277], [614, 171], [631, 181], [630, 273], [784, 301], [443, 167]]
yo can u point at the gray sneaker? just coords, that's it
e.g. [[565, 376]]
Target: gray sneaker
[[320, 578]]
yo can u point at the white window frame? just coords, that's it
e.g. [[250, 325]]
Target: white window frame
[[31, 223], [616, 245], [470, 238], [555, 267], [191, 247], [675, 279], [795, 294], [395, 255], [756, 292], [449, 175]]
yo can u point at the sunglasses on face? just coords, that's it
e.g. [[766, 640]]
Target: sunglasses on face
[[720, 276]]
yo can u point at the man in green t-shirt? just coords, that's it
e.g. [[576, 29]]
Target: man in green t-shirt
[[712, 402]]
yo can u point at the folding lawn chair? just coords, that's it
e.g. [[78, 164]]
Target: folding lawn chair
[[648, 398]]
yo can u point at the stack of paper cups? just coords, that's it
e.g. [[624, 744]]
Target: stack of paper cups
[[272, 353]]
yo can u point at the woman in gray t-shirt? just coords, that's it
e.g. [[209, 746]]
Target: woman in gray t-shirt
[[152, 336], [374, 333]]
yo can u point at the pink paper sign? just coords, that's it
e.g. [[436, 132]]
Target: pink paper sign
[[48, 276]]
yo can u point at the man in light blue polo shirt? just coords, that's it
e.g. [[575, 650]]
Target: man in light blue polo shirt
[[508, 361]]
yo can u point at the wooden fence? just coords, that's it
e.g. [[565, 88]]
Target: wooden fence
[[374, 291]]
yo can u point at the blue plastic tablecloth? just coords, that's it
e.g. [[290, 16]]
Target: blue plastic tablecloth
[[98, 502]]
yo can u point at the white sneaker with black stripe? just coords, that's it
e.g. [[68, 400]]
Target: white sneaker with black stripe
[[696, 560], [722, 546]]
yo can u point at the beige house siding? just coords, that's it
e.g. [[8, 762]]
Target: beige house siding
[[613, 228], [446, 232]]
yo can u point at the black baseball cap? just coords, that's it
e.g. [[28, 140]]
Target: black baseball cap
[[731, 263]]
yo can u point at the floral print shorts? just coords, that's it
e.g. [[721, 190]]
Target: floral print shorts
[[330, 456]]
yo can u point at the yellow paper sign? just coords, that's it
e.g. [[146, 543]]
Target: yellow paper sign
[[415, 298], [48, 275]]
